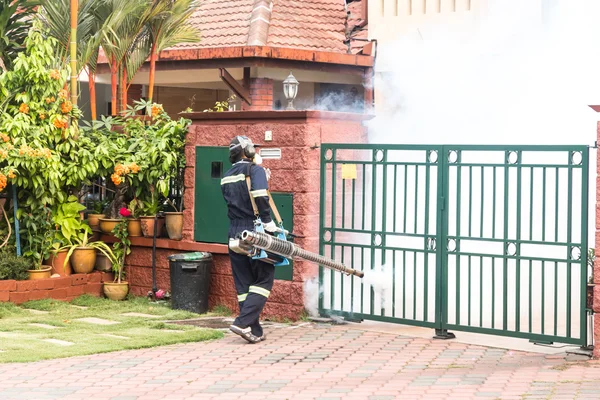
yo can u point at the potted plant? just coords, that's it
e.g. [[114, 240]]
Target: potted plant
[[150, 211], [82, 252], [119, 288], [134, 225], [174, 219], [174, 223], [97, 213], [39, 252], [39, 240], [591, 258], [67, 219], [103, 262]]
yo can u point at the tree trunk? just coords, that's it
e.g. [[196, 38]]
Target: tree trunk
[[153, 57], [92, 86], [113, 83], [74, 12], [124, 89]]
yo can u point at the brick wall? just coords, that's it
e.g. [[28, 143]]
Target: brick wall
[[261, 94], [297, 172], [64, 288]]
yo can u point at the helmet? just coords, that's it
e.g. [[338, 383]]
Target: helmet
[[241, 145]]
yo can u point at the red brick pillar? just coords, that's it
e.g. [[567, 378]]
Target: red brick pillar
[[261, 94], [596, 307]]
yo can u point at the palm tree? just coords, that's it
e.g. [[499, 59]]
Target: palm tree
[[90, 30], [15, 22], [169, 29]]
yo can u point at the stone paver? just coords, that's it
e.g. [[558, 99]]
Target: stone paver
[[96, 321], [114, 336], [59, 342], [37, 312], [310, 362], [45, 326], [140, 315]]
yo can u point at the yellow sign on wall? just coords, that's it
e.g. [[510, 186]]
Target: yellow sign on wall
[[348, 171]]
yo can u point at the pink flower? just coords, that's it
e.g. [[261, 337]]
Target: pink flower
[[125, 212]]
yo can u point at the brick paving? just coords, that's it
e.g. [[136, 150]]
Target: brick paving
[[309, 362]]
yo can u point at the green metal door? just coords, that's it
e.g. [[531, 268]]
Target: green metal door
[[210, 211], [487, 239]]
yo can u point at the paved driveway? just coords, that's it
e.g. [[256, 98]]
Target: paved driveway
[[308, 361]]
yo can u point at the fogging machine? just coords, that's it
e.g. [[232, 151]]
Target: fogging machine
[[276, 249]]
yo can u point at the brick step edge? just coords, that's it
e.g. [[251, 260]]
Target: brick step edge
[[63, 288]]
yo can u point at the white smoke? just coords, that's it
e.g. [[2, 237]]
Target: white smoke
[[311, 296], [517, 79]]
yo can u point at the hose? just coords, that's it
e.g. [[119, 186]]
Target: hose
[[290, 250]]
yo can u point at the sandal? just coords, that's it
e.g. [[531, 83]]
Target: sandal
[[245, 333]]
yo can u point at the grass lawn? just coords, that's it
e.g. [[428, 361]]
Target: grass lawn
[[22, 342]]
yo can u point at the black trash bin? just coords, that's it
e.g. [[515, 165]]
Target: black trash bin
[[190, 281]]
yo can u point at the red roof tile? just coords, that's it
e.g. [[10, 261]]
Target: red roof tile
[[300, 24]]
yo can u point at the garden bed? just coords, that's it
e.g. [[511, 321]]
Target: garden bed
[[63, 288]]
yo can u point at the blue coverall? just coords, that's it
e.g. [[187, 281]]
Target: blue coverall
[[253, 278]]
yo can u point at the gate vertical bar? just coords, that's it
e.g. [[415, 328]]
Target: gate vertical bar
[[323, 200], [585, 179], [441, 292]]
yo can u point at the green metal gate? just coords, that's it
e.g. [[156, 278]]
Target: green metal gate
[[487, 239]]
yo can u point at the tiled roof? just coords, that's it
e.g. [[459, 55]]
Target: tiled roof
[[321, 25], [222, 23], [309, 25]]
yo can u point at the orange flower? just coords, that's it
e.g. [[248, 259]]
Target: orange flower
[[63, 94], [4, 137], [120, 169], [11, 174], [50, 100], [116, 179], [3, 154], [47, 153], [42, 116], [134, 168], [24, 108], [66, 107], [156, 110], [60, 123], [3, 181], [54, 74]]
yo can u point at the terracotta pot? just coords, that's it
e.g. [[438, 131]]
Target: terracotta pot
[[116, 291], [43, 273], [83, 260], [103, 263], [107, 225], [148, 226], [174, 222], [94, 219], [57, 261], [134, 227]]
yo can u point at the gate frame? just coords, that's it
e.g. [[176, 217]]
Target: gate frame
[[441, 324]]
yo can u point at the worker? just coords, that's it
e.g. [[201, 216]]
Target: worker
[[253, 278]]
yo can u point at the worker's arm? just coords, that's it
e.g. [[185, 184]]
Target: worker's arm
[[258, 178]]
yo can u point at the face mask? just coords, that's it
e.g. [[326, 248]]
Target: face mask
[[258, 159]]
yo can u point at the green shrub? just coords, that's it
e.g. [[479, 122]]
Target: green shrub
[[13, 266]]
